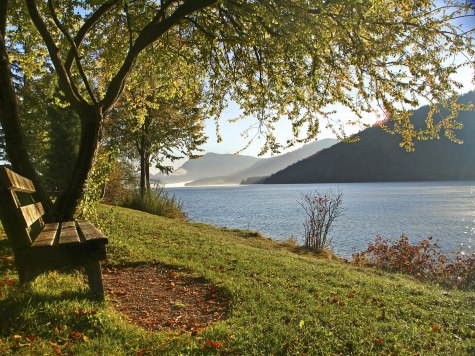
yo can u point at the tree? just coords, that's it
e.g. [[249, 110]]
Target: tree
[[63, 135], [158, 116], [276, 59]]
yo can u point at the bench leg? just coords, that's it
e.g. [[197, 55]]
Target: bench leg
[[94, 278]]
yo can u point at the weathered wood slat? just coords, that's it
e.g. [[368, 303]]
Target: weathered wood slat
[[31, 213], [47, 236], [69, 234], [11, 181], [90, 232], [12, 221]]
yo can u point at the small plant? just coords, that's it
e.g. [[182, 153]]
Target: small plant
[[425, 260], [94, 186], [158, 202], [321, 211]]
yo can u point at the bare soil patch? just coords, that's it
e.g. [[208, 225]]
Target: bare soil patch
[[159, 298]]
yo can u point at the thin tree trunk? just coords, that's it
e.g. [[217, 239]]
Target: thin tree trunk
[[142, 173], [146, 148], [14, 140], [147, 173], [91, 132]]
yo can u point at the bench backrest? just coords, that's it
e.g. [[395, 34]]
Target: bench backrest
[[21, 216]]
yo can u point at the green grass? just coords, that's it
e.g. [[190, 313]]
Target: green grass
[[281, 301]]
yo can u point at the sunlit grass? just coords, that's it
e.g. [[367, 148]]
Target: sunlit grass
[[281, 301]]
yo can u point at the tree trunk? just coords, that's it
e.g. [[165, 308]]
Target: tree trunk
[[147, 172], [146, 147], [91, 132], [142, 173], [14, 140]]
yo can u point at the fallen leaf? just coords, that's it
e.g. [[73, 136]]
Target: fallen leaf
[[213, 344], [75, 335]]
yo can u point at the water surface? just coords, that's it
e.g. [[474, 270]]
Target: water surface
[[443, 210]]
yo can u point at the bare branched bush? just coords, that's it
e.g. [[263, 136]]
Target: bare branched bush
[[321, 211]]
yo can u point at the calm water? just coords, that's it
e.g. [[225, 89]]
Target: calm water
[[444, 210]]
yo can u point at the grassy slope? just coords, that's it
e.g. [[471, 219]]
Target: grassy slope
[[280, 301]]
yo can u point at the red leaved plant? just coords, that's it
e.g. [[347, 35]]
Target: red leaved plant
[[425, 260]]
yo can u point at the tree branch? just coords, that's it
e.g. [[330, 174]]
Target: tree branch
[[75, 51], [85, 28], [3, 17], [64, 80], [147, 36], [129, 24]]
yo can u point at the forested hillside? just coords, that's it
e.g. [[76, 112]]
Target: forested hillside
[[378, 157]]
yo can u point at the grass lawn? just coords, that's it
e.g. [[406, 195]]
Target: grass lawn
[[280, 301]]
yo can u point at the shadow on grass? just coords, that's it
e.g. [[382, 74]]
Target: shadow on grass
[[24, 306], [5, 251]]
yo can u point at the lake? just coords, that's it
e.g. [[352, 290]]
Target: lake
[[443, 210]]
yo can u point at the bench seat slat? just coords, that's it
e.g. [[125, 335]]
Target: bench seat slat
[[69, 234], [90, 232], [11, 181], [31, 213], [47, 236]]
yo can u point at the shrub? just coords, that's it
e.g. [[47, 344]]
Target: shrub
[[158, 202], [425, 260], [120, 183], [321, 211]]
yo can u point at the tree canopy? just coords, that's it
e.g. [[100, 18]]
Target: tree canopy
[[276, 59], [158, 117]]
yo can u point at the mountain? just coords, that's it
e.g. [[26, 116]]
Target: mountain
[[267, 166], [378, 157], [210, 164]]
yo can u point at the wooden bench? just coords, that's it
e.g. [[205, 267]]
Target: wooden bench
[[39, 247]]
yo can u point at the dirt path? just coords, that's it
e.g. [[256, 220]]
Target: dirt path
[[159, 299]]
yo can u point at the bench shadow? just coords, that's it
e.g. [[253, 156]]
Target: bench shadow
[[16, 304], [5, 249]]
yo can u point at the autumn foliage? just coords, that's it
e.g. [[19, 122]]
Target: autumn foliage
[[425, 260]]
